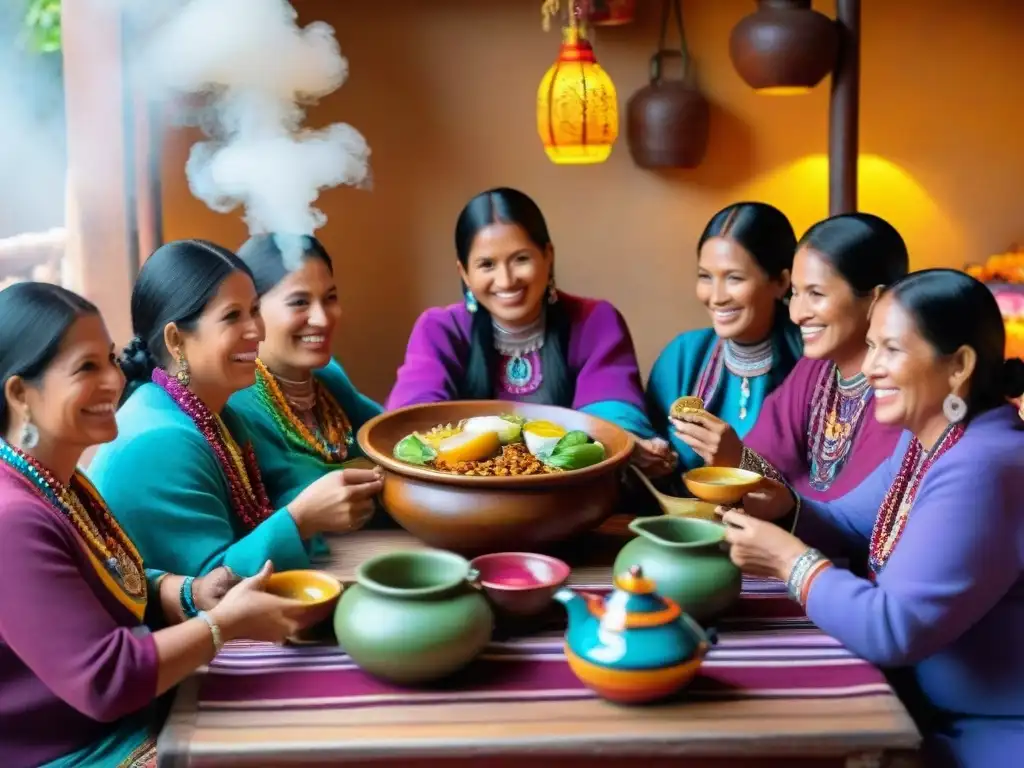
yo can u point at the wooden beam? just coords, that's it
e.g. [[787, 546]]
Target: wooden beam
[[844, 112]]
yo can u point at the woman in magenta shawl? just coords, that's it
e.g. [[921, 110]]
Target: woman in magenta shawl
[[517, 337], [938, 524], [90, 639], [817, 431]]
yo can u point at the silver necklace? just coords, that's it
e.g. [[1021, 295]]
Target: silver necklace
[[521, 341], [748, 361]]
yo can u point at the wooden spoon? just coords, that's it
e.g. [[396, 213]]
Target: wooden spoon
[[675, 505]]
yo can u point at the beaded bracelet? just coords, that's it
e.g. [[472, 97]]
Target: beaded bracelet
[[188, 605], [801, 568]]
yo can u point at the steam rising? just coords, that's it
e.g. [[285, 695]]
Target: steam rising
[[257, 70]]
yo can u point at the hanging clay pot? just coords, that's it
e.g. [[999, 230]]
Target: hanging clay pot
[[611, 13], [668, 121]]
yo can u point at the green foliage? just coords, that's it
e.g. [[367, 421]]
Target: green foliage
[[42, 25]]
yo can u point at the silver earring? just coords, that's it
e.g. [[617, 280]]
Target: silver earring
[[471, 304], [954, 408], [29, 437], [552, 291]]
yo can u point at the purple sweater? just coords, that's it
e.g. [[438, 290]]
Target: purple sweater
[[73, 659], [781, 436], [949, 603], [600, 353]]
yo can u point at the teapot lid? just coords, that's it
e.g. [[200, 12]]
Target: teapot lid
[[634, 603]]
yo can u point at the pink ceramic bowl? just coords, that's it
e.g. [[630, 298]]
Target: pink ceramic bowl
[[520, 584]]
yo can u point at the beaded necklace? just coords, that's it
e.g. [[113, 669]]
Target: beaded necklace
[[333, 434], [520, 372], [895, 510], [746, 361], [82, 506], [837, 408], [245, 484]]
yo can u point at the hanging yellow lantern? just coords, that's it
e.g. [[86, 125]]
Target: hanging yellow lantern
[[577, 110]]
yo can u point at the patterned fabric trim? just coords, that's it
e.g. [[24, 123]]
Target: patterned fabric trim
[[752, 461], [143, 756]]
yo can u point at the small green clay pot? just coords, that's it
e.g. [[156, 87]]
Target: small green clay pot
[[413, 616], [685, 559]]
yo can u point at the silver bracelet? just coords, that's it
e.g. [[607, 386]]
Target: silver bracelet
[[218, 640], [802, 567]]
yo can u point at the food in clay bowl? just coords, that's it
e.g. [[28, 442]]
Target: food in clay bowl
[[482, 476]]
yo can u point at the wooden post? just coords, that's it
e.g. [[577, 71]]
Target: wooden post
[[844, 112]]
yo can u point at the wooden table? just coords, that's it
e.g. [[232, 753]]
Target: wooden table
[[855, 732]]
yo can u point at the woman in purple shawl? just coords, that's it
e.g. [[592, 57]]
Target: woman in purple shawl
[[817, 431], [938, 524], [90, 639], [517, 337]]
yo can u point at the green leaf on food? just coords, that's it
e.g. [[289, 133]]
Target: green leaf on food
[[576, 456], [575, 437], [412, 450]]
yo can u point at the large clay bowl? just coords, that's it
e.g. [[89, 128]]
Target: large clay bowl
[[478, 515]]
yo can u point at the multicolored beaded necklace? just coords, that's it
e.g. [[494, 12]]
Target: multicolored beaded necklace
[[520, 372], [836, 410], [82, 506], [331, 435], [245, 484], [746, 361], [895, 510]]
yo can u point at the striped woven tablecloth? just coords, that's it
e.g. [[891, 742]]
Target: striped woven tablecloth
[[774, 689]]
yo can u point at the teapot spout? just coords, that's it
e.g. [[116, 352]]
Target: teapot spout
[[576, 605]]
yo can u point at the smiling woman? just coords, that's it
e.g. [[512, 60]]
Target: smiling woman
[[818, 430], [303, 410], [181, 477], [87, 694], [517, 337], [745, 255]]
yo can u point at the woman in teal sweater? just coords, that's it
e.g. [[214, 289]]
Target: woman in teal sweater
[[181, 477], [744, 257], [303, 411]]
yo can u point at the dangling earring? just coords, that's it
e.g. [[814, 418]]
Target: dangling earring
[[954, 408], [29, 437], [183, 375], [471, 304], [552, 291]]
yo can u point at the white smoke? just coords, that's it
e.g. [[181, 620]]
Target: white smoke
[[256, 70]]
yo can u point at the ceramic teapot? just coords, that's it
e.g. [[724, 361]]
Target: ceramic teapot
[[634, 646]]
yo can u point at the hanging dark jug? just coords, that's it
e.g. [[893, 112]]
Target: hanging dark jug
[[668, 121]]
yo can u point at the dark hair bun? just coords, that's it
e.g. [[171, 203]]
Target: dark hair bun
[[1013, 377], [136, 363]]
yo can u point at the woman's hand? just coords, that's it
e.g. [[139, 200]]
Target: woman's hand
[[246, 611], [710, 438], [761, 548], [654, 457], [771, 501], [208, 590], [339, 502]]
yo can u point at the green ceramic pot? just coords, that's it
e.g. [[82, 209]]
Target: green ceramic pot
[[413, 616], [687, 562]]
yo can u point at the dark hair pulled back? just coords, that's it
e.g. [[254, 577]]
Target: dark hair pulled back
[[503, 205], [951, 310], [174, 286], [764, 232], [263, 256], [863, 249], [34, 318]]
